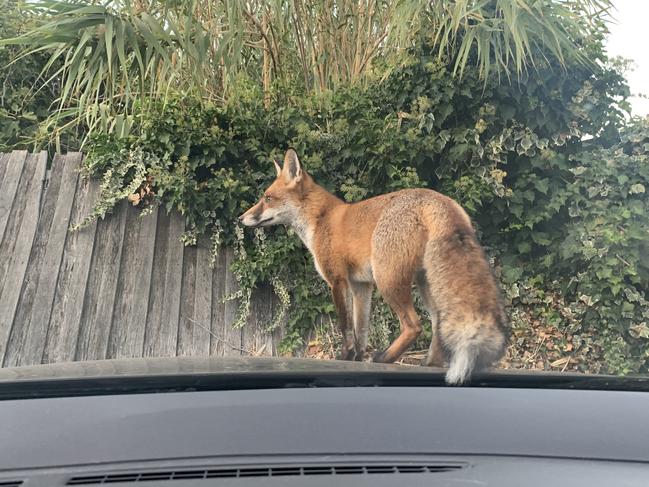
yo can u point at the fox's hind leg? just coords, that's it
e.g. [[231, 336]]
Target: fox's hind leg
[[398, 295], [397, 247], [400, 300], [436, 353]]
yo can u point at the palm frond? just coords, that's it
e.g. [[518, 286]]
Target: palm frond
[[509, 36], [118, 57]]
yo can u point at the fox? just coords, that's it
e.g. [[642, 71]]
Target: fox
[[392, 241]]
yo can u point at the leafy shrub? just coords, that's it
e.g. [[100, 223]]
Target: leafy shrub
[[565, 219], [578, 226], [24, 101]]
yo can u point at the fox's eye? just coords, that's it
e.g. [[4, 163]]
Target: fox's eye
[[267, 198]]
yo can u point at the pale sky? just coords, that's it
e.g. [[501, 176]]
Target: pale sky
[[629, 38]]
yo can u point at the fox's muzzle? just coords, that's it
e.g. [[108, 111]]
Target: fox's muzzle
[[254, 216]]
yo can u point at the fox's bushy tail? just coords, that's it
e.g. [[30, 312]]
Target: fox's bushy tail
[[473, 354], [472, 320], [463, 359]]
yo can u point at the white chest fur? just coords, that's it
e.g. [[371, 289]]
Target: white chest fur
[[305, 232]]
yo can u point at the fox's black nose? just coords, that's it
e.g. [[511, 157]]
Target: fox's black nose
[[240, 217]]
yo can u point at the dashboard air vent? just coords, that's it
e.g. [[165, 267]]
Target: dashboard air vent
[[245, 472]]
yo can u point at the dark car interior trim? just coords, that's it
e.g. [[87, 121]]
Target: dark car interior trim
[[143, 384]]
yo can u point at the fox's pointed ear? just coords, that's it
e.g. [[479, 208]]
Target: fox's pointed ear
[[292, 170], [277, 168]]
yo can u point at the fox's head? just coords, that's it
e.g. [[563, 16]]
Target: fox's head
[[280, 203]]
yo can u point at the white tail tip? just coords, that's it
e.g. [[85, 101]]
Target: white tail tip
[[461, 366]]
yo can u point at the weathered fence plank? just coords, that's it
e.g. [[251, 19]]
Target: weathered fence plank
[[218, 306], [231, 337], [101, 290], [65, 319], [13, 281], [122, 287], [4, 158], [187, 322], [14, 213], [40, 317], [21, 331], [256, 338], [164, 302], [131, 305], [194, 335], [202, 299], [13, 170]]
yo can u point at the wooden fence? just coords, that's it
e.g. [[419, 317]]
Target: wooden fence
[[120, 287]]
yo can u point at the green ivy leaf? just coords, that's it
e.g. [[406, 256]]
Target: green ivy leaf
[[636, 188]]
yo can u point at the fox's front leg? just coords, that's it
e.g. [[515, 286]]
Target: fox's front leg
[[342, 302], [362, 294]]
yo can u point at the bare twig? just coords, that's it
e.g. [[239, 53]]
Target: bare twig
[[233, 347], [559, 362], [257, 353], [262, 32], [622, 260], [536, 351]]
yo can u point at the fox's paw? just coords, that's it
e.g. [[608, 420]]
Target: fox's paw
[[363, 356], [379, 357], [432, 361], [347, 355]]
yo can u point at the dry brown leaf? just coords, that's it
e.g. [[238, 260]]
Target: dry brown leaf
[[560, 362], [134, 199]]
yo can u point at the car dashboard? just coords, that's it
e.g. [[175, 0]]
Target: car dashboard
[[354, 426]]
